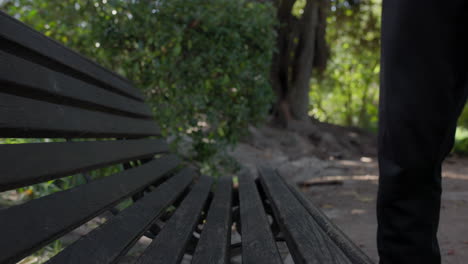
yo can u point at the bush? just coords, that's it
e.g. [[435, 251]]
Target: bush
[[203, 65]]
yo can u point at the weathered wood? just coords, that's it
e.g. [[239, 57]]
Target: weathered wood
[[169, 245], [122, 231], [34, 45], [351, 250], [23, 77], [29, 226], [47, 90], [215, 239], [258, 244], [306, 240], [25, 117], [26, 164]]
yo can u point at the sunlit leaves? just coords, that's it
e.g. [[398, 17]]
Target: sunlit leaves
[[298, 7], [347, 92], [187, 56]]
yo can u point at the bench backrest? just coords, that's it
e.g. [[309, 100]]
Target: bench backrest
[[49, 91]]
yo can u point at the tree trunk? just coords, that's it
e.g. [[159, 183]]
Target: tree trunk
[[301, 47], [281, 61], [303, 62]]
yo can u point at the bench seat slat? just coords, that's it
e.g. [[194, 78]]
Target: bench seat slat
[[24, 117], [169, 245], [120, 233], [26, 77], [258, 244], [351, 250], [26, 164], [27, 227], [26, 37], [307, 242], [213, 246]]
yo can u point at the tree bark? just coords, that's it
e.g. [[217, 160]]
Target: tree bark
[[300, 47], [303, 62], [281, 61]]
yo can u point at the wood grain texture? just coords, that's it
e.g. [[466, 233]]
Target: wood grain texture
[[169, 245], [351, 250], [24, 117], [258, 244], [26, 164], [53, 52], [34, 80], [214, 243], [113, 239], [306, 241], [30, 226]]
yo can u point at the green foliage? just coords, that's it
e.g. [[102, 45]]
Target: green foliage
[[203, 65], [461, 141], [461, 137], [347, 92], [463, 120], [298, 7]]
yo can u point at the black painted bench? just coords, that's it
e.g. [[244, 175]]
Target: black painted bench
[[49, 91]]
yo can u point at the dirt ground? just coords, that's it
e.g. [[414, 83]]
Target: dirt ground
[[351, 205], [344, 159]]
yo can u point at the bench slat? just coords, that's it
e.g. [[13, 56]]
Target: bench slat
[[24, 117], [54, 52], [27, 78], [353, 252], [258, 244], [169, 245], [306, 240], [27, 227], [113, 239], [213, 246], [26, 164]]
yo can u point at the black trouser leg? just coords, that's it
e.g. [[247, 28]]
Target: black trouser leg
[[423, 90]]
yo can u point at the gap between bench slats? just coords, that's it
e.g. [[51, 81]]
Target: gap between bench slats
[[26, 164], [113, 239], [306, 241], [353, 252], [27, 227], [60, 56], [24, 117], [258, 243], [215, 239], [36, 81], [169, 245]]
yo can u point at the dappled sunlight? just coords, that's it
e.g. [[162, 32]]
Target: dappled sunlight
[[339, 179], [366, 159], [455, 176], [358, 211], [363, 162]]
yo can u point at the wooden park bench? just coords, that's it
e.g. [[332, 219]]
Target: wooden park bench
[[49, 91]]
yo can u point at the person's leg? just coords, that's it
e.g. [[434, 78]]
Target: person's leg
[[423, 90]]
